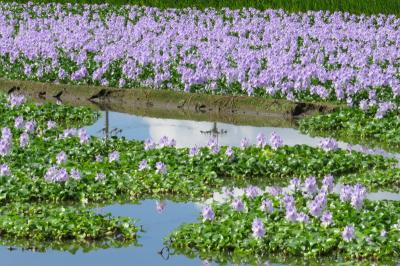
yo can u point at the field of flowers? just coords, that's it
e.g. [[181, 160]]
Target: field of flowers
[[299, 56], [52, 172]]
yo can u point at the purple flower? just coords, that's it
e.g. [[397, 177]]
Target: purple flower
[[194, 151], [5, 170], [149, 145], [54, 174], [244, 143], [208, 213], [161, 168], [383, 233], [83, 136], [261, 140], [329, 144], [275, 140], [24, 140], [275, 191], [113, 157], [348, 233], [326, 218], [99, 158], [16, 100], [328, 182], [267, 206], [19, 122], [99, 177], [229, 152], [252, 191], [258, 228], [310, 185], [30, 126], [237, 205], [302, 218], [62, 157], [291, 214], [143, 165], [75, 174]]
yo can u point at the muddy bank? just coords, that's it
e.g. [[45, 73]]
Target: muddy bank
[[170, 104]]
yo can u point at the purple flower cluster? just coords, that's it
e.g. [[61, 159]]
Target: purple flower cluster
[[5, 141], [16, 100], [353, 194], [238, 205], [257, 227], [252, 191], [329, 144], [275, 140], [55, 174], [208, 213], [346, 54], [165, 142], [261, 140], [161, 168], [213, 145], [348, 233], [61, 157], [5, 170], [113, 157]]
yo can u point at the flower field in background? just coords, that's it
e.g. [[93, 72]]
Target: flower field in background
[[311, 56]]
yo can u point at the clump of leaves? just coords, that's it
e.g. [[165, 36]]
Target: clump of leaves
[[356, 126], [231, 233], [54, 224]]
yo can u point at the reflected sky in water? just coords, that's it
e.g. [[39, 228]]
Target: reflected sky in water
[[188, 133]]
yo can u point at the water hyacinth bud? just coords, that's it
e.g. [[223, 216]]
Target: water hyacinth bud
[[244, 143], [252, 191], [19, 122], [61, 157], [5, 170], [257, 227], [161, 168], [267, 206], [238, 205], [261, 140], [113, 157], [348, 233], [326, 218], [329, 144], [24, 140], [208, 213], [275, 140], [100, 177], [229, 152], [30, 127], [143, 165], [160, 206]]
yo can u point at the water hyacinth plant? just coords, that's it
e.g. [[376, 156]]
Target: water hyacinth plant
[[298, 56], [288, 224]]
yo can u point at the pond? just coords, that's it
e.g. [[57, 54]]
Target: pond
[[158, 219]]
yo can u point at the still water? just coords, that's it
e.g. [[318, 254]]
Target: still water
[[159, 222]]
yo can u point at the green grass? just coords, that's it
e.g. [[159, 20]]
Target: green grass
[[352, 6]]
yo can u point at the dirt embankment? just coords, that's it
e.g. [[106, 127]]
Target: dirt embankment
[[170, 104]]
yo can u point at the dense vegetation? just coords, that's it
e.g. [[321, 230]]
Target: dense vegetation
[[357, 127], [351, 6], [307, 222]]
